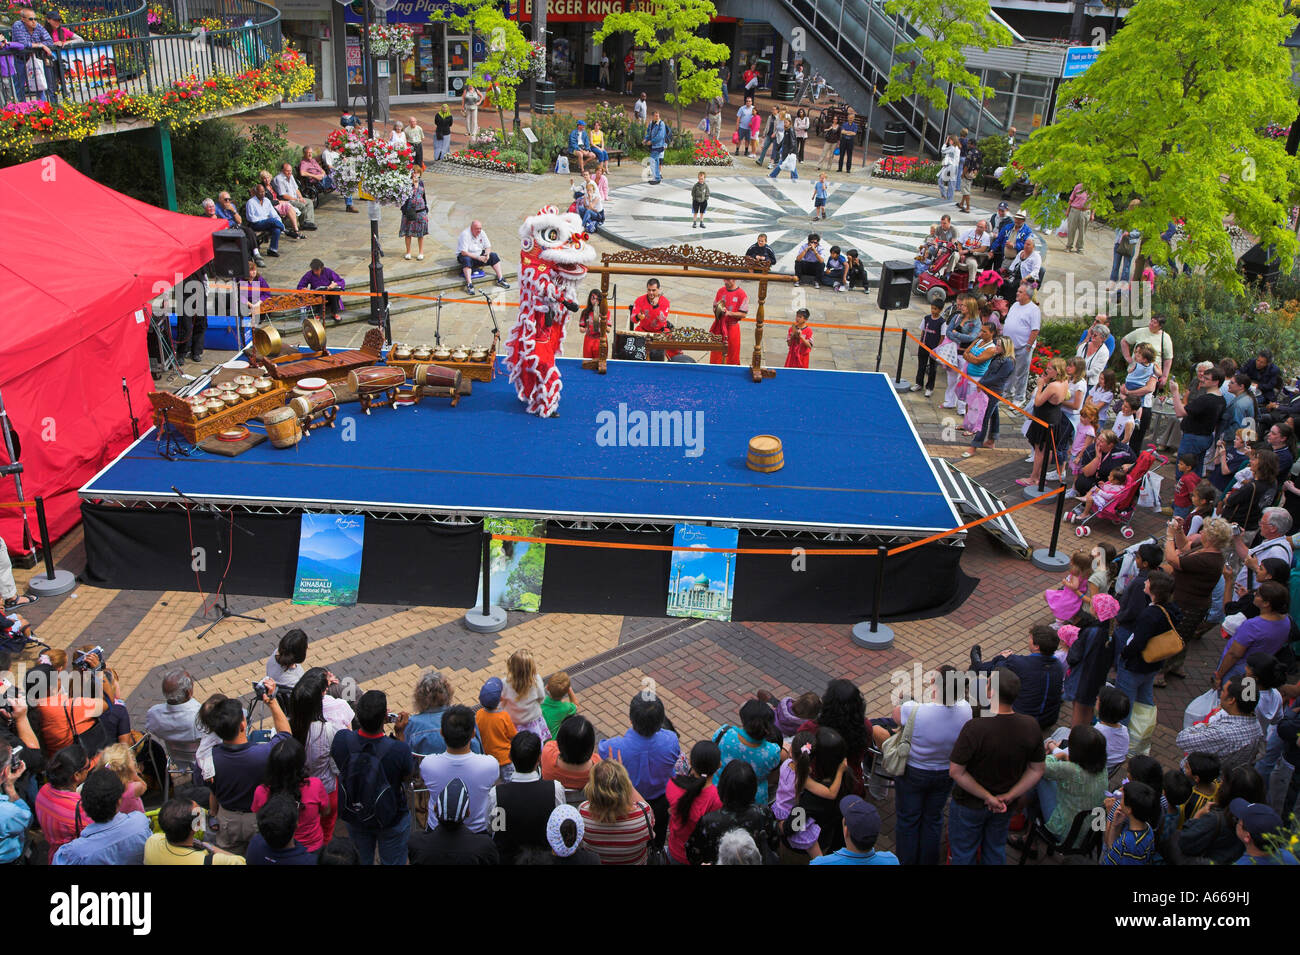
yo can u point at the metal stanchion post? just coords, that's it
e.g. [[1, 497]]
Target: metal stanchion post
[[55, 582], [1049, 559], [488, 618], [874, 635], [880, 349], [1041, 489]]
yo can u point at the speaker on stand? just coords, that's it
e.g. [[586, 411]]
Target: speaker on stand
[[894, 292], [231, 252]]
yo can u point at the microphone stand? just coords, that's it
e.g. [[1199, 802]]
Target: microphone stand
[[135, 427], [496, 330], [437, 323], [223, 611]]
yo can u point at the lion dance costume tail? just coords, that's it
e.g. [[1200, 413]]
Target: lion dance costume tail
[[553, 257]]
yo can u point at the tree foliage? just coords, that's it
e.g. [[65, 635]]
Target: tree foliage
[[507, 61], [670, 34], [934, 60], [1173, 113]]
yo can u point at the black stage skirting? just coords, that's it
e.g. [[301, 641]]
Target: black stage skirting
[[425, 564]]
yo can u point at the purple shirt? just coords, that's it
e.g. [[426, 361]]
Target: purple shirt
[[327, 276], [1258, 635], [27, 36], [649, 761], [258, 293]]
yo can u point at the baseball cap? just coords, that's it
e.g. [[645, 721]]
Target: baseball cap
[[861, 818], [1003, 207], [1259, 819], [582, 122], [557, 818], [490, 695], [452, 804]]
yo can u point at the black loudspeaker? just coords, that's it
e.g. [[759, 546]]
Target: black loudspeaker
[[895, 289], [230, 254], [1261, 265]]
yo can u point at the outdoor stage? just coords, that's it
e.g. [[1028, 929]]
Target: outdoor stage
[[855, 475]]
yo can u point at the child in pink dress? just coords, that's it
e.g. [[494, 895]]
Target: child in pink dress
[[1065, 601], [1084, 435]]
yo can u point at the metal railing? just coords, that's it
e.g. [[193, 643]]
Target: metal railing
[[140, 63]]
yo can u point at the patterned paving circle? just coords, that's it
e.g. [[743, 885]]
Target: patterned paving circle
[[881, 223]]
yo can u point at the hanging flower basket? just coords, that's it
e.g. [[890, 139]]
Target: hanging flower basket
[[372, 165], [391, 39]]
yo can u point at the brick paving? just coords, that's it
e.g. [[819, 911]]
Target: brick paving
[[703, 670]]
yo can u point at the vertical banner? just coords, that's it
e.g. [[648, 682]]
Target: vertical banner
[[329, 559], [517, 567], [702, 584]]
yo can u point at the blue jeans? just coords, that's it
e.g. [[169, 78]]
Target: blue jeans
[[919, 798], [1046, 794], [1139, 687], [1119, 266], [776, 171], [1196, 444], [972, 831], [391, 842], [1273, 746], [775, 145], [1216, 604], [656, 157], [274, 226]]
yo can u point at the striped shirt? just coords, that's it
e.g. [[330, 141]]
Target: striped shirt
[[1131, 848], [624, 841], [56, 811]]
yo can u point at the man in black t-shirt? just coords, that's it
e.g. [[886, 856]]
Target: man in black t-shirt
[[452, 843], [1200, 416], [519, 809], [996, 760]]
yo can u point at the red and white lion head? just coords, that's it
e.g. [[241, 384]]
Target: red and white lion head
[[555, 242]]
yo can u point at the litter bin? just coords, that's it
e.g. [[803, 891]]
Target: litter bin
[[545, 97], [783, 88], [894, 139]]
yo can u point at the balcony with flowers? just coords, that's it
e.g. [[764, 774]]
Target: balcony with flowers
[[118, 75]]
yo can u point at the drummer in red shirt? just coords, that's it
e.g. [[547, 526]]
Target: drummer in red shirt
[[800, 340], [730, 305], [650, 314]]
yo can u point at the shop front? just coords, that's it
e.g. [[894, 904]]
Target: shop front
[[438, 68], [307, 25]]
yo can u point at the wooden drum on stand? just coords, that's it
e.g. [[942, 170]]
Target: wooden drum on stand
[[282, 427], [310, 405], [436, 376], [765, 454], [375, 378]]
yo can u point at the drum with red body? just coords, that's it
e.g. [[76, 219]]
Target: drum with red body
[[376, 378], [310, 405], [436, 376]]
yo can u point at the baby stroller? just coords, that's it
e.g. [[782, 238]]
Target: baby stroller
[[1121, 507]]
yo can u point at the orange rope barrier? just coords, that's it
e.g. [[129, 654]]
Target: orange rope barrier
[[975, 523]]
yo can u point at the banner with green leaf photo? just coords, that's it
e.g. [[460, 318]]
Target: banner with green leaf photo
[[517, 568]]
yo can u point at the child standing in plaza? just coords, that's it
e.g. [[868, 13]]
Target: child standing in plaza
[[927, 366], [800, 340], [819, 198], [495, 726], [699, 201], [1187, 481], [523, 693]]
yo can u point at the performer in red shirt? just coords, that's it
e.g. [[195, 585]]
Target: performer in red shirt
[[650, 313], [730, 305], [589, 322], [800, 340]]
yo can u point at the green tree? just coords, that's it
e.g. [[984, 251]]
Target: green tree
[[669, 32], [1172, 113], [507, 60], [932, 66]]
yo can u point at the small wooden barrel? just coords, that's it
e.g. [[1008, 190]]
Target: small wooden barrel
[[309, 405], [375, 378], [282, 427], [765, 453], [436, 375]]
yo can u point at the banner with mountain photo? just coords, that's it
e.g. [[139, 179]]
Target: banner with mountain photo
[[517, 566], [702, 584], [329, 559]]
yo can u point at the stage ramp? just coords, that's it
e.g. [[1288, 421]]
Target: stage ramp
[[972, 500]]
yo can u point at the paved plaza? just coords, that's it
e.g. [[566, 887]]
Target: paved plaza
[[704, 669]]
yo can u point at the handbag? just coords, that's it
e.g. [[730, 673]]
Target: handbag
[[653, 856], [895, 750], [1163, 645], [1124, 247]]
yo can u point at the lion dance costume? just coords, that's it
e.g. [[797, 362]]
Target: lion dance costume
[[553, 258]]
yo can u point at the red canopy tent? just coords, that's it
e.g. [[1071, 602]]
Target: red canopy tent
[[81, 264]]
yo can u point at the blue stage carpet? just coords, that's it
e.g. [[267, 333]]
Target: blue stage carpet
[[852, 459]]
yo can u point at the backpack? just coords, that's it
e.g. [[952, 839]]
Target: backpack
[[366, 798]]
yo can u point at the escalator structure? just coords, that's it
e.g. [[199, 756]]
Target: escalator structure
[[854, 44]]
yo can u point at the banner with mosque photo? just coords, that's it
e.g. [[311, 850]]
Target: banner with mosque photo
[[517, 566], [702, 583]]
